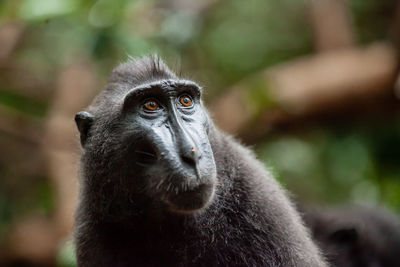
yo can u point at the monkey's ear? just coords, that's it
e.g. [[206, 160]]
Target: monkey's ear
[[84, 121], [344, 236]]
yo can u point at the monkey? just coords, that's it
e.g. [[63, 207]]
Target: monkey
[[356, 236], [161, 185]]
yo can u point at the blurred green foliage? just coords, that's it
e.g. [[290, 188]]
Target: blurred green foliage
[[66, 256], [218, 44], [371, 18], [356, 164], [259, 27], [22, 103]]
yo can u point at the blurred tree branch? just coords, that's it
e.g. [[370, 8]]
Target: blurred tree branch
[[307, 85], [331, 23]]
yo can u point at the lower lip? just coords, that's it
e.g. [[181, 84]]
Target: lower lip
[[202, 196]]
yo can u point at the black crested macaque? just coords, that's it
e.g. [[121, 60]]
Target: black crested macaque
[[356, 236], [161, 186]]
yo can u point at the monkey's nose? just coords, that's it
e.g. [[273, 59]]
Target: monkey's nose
[[190, 156]]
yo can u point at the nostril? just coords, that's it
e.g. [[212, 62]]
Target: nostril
[[190, 160]]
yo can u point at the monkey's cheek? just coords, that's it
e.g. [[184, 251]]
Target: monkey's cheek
[[191, 201]]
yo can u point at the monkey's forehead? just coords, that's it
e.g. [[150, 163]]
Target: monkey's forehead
[[168, 86]]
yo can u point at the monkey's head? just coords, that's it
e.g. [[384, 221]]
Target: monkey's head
[[145, 142]]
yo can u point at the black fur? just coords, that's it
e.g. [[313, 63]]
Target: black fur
[[242, 217], [356, 236]]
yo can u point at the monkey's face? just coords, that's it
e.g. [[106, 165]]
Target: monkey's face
[[167, 132]]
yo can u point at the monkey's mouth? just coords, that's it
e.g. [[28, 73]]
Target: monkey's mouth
[[192, 200]]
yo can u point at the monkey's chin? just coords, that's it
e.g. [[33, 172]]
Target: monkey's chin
[[191, 201]]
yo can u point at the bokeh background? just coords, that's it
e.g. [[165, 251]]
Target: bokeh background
[[310, 85]]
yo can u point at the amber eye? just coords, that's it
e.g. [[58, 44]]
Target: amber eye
[[151, 105], [185, 100]]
